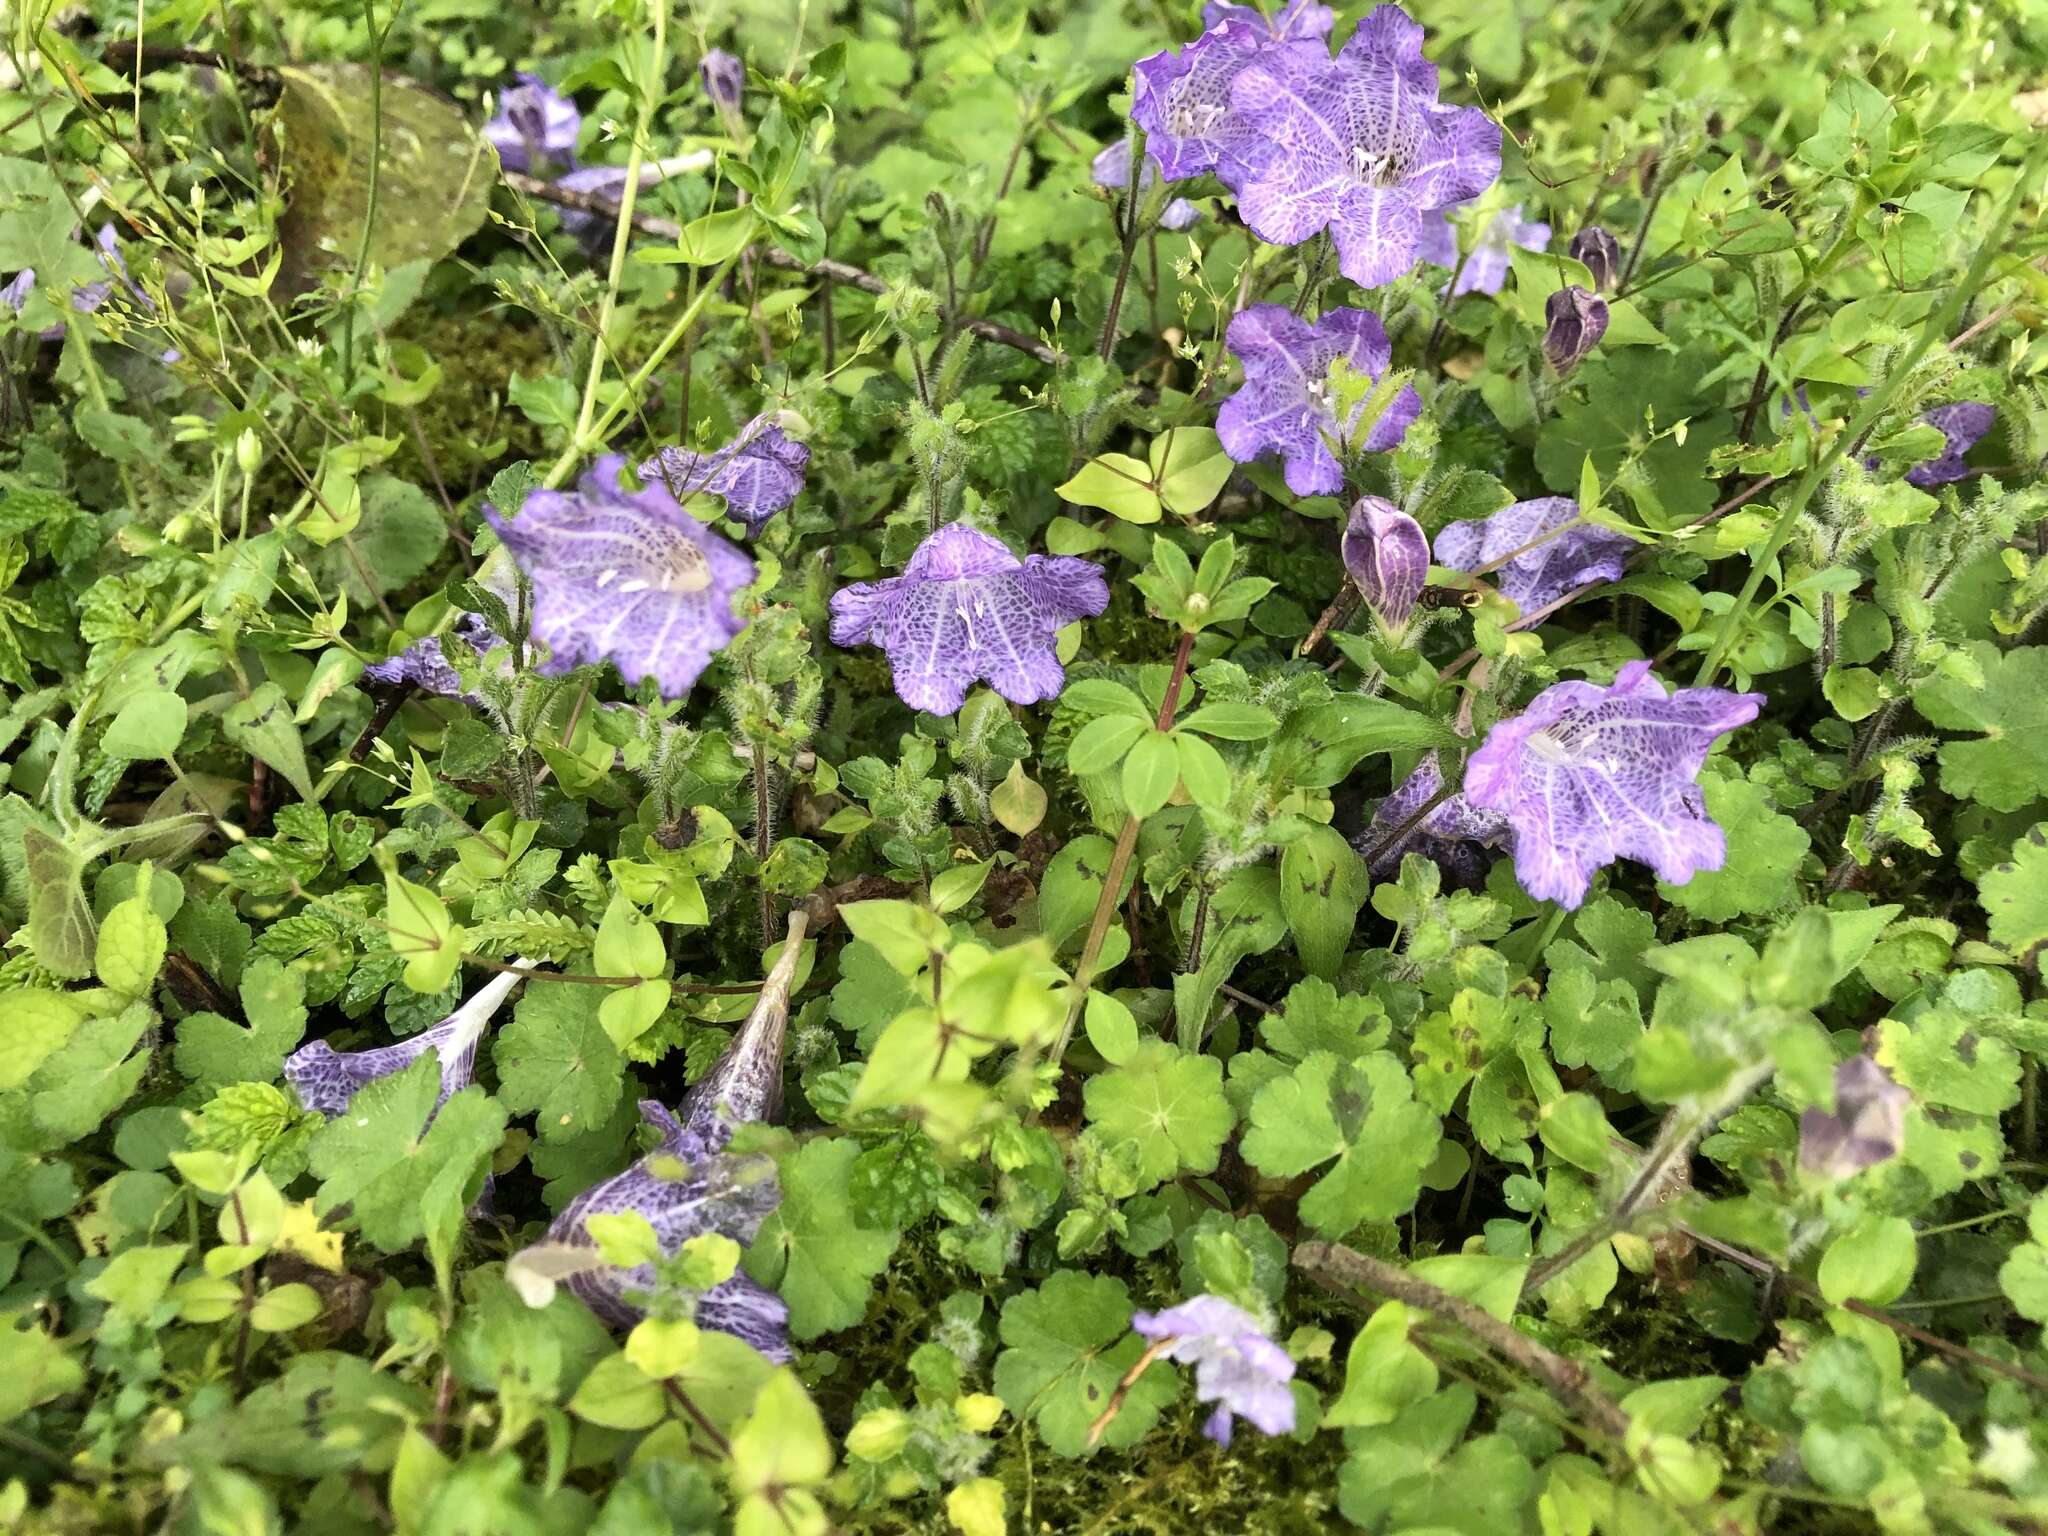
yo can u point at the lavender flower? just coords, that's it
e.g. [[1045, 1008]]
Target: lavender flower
[[1537, 574], [758, 473], [627, 577], [1298, 19], [1237, 1367], [1486, 268], [1455, 836], [725, 80], [1599, 253], [424, 664], [1868, 1125], [1386, 554], [536, 127], [1574, 322], [19, 287], [1963, 424], [1183, 101], [1587, 775], [326, 1079], [1357, 145], [1112, 168], [964, 609], [1286, 405], [602, 181]]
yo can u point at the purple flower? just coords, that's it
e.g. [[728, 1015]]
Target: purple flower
[[19, 287], [1236, 1366], [424, 664], [627, 577], [1962, 423], [536, 127], [326, 1079], [1297, 19], [1183, 101], [1455, 836], [602, 181], [1537, 573], [1112, 168], [1587, 775], [966, 609], [1286, 405], [1574, 322], [725, 79], [1386, 554], [1867, 1127], [1598, 252], [758, 473], [1486, 269], [1357, 145]]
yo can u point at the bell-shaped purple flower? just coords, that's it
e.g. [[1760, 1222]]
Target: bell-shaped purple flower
[[1867, 1127], [1111, 167], [1386, 555], [966, 609], [1486, 268], [536, 128], [1456, 835], [1542, 564], [1573, 323], [424, 664], [1357, 145], [1600, 254], [1237, 1367], [1287, 404], [1963, 424], [1183, 100], [1587, 775], [627, 577], [1296, 20], [725, 79], [758, 473], [326, 1079]]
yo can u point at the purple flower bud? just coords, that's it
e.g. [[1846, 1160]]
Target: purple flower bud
[[15, 294], [1599, 253], [1386, 554], [1867, 1127], [1575, 322], [725, 79]]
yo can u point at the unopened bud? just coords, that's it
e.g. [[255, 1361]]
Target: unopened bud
[[1386, 554], [725, 79], [1575, 320], [1597, 251], [248, 452]]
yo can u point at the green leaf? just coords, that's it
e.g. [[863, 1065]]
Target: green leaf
[[33, 1366], [813, 1250], [1104, 742], [1873, 1262], [2015, 895], [556, 1059], [1118, 484], [421, 934], [38, 1023], [150, 725], [131, 946], [1384, 1373], [1203, 772], [389, 1168], [261, 725], [1230, 721], [619, 1395], [213, 1051], [1169, 1104], [1765, 849], [1151, 770], [60, 921], [92, 1074], [1190, 468], [1360, 1113], [1065, 1347], [779, 1454], [2006, 767], [1112, 1028], [1323, 886]]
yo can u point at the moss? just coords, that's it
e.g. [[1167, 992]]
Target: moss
[[479, 354]]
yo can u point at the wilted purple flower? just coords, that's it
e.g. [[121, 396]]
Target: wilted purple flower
[[965, 608], [1455, 836], [1867, 1127], [1587, 775], [1486, 268], [625, 576], [1357, 145], [1963, 424], [1112, 168], [1287, 403], [424, 665], [1183, 101], [1297, 19], [1386, 554], [1597, 250], [758, 473], [1573, 323], [326, 1079], [1537, 573], [1236, 1366], [536, 127], [725, 79]]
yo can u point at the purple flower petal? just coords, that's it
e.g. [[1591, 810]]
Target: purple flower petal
[[1486, 268], [1386, 554], [1237, 1366], [966, 609], [19, 287], [1542, 572], [536, 127], [1964, 423], [758, 473], [1867, 1127], [1456, 836], [1574, 321], [1587, 775], [1111, 167], [1298, 19], [326, 1079], [424, 664], [725, 79], [1184, 101], [627, 577], [1600, 253]]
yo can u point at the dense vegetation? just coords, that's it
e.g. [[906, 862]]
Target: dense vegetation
[[1065, 767]]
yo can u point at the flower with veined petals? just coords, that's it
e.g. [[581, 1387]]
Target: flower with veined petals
[[1455, 835], [1386, 555], [1587, 775], [326, 1079], [536, 127], [625, 576], [1111, 167], [1486, 268], [1286, 404], [966, 609], [1542, 565], [1867, 1127], [1963, 424], [1183, 101], [758, 473], [1600, 254], [1357, 145], [424, 664], [1237, 1367], [1297, 18], [1574, 320]]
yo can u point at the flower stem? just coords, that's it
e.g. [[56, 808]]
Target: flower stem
[[1132, 194]]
